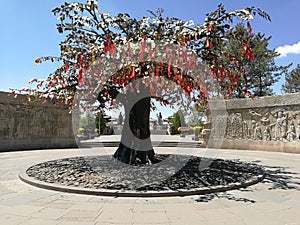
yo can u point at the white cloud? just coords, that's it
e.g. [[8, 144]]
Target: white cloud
[[288, 49]]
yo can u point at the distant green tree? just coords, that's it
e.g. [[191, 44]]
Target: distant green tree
[[262, 72], [87, 122], [196, 117], [102, 120], [292, 81], [177, 120]]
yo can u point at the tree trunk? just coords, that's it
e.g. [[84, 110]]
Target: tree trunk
[[135, 146]]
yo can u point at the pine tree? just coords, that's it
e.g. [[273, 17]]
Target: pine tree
[[177, 120], [262, 72], [292, 81]]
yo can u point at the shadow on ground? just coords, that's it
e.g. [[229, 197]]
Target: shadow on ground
[[278, 177], [281, 178], [223, 195]]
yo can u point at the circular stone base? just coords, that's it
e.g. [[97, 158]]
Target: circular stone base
[[103, 175]]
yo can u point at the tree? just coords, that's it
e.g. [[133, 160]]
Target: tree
[[196, 118], [101, 120], [87, 122], [292, 81], [177, 120], [262, 72], [120, 60]]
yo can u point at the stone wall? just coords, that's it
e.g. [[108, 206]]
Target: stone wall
[[34, 126], [267, 124]]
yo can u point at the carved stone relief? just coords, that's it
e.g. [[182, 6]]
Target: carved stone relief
[[218, 126], [267, 123], [277, 124], [298, 132], [35, 121], [4, 128]]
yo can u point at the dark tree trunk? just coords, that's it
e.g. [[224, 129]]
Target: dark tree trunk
[[135, 146]]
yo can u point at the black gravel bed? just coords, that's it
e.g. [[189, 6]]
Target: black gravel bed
[[170, 172]]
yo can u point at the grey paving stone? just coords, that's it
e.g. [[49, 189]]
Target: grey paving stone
[[196, 220], [149, 208], [261, 220], [289, 216], [23, 198], [180, 208], [50, 213], [117, 217], [87, 206], [217, 215], [270, 207], [22, 203], [59, 204], [4, 190], [81, 215], [199, 206], [16, 185], [102, 199], [7, 219], [20, 210], [294, 194], [35, 221], [72, 222], [111, 207], [150, 218], [246, 212], [183, 214], [225, 222], [102, 223], [124, 200], [176, 200], [292, 204], [39, 203], [150, 224], [48, 200], [267, 195], [79, 198]]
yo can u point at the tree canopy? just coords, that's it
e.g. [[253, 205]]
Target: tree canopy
[[177, 120], [292, 81], [103, 54], [258, 75]]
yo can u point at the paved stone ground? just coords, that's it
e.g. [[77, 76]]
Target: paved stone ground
[[276, 201]]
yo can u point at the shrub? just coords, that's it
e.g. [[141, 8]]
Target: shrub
[[80, 131]]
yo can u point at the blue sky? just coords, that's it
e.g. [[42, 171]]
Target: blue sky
[[28, 30]]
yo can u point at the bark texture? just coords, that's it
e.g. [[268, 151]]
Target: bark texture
[[135, 146]]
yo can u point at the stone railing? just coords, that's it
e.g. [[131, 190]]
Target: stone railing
[[267, 123], [34, 126]]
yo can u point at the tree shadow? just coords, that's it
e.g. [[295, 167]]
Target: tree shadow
[[277, 177], [223, 195], [280, 177]]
